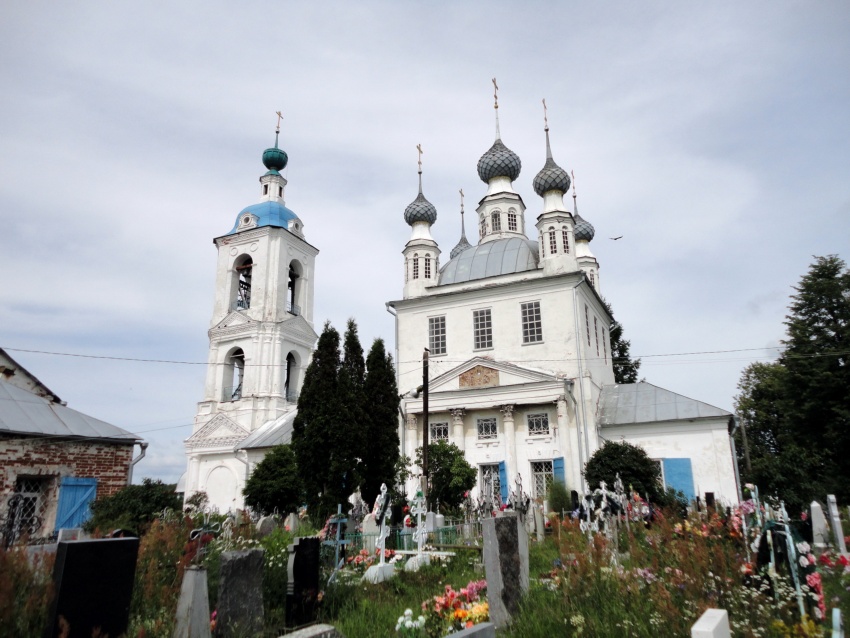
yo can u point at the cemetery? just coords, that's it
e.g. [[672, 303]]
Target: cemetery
[[613, 565]]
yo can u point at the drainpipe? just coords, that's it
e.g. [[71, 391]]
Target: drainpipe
[[144, 446], [735, 458]]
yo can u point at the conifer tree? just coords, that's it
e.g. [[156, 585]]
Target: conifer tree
[[625, 368], [320, 437], [352, 376], [381, 444]]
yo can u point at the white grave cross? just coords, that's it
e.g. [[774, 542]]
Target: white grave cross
[[835, 519]]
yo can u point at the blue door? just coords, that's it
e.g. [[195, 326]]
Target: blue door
[[679, 476], [503, 481], [75, 495], [558, 470]]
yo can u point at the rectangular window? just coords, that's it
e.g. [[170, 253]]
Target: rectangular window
[[487, 429], [553, 244], [538, 424], [592, 279], [542, 476], [482, 227], [26, 507], [427, 268], [596, 334], [566, 237], [532, 325], [437, 335], [605, 344], [416, 266], [482, 329], [497, 222], [512, 221], [587, 324], [491, 486], [439, 431]]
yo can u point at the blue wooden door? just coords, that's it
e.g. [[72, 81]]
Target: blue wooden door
[[75, 495], [558, 470], [503, 481]]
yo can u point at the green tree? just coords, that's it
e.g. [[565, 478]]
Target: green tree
[[133, 507], [352, 376], [321, 438], [275, 483], [632, 463], [625, 368], [380, 451], [450, 475], [796, 411]]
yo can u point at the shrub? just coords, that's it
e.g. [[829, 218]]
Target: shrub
[[559, 498], [133, 507], [631, 462]]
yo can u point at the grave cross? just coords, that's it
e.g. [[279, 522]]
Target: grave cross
[[418, 510], [383, 518], [198, 534], [338, 542]]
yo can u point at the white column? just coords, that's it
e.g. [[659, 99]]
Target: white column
[[457, 427], [510, 441]]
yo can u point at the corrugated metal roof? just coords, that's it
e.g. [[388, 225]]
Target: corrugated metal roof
[[635, 403], [24, 413], [269, 434]]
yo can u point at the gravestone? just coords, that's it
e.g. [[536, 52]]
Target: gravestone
[[481, 630], [430, 522], [837, 624], [193, 606], [316, 631], [292, 523], [835, 519], [240, 593], [302, 589], [539, 525], [265, 526], [714, 623], [93, 585], [505, 565], [820, 531], [383, 570], [370, 533]]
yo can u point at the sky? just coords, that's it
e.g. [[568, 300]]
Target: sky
[[714, 137]]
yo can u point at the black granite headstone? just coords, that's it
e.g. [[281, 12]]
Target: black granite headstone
[[93, 584], [709, 501], [302, 589]]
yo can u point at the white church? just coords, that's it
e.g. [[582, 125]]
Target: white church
[[521, 372]]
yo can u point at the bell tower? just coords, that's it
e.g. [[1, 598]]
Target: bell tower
[[261, 335]]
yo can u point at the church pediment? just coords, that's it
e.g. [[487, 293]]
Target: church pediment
[[300, 331], [485, 373], [233, 319], [217, 432]]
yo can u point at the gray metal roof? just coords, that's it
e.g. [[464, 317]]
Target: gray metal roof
[[636, 403], [498, 257], [271, 433], [24, 413]]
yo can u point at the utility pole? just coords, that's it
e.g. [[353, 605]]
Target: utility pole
[[425, 422]]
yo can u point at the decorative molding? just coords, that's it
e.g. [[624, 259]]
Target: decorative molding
[[458, 414], [479, 377], [412, 422], [217, 432], [507, 410]]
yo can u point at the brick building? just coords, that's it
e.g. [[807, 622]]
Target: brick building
[[53, 460]]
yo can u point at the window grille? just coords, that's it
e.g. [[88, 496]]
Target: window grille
[[437, 335], [416, 266], [592, 279], [532, 325], [538, 424], [491, 485], [596, 334], [566, 237], [482, 227], [587, 324], [512, 221], [487, 429], [496, 221], [439, 431], [542, 476], [482, 329], [553, 244], [26, 506], [427, 267]]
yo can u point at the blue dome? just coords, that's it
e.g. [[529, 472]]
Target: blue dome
[[267, 214]]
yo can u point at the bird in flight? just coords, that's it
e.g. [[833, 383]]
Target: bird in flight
[[616, 238]]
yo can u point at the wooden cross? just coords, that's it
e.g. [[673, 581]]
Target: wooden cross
[[495, 94], [419, 148]]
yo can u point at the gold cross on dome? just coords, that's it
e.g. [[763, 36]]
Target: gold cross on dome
[[495, 94], [279, 118], [419, 149]]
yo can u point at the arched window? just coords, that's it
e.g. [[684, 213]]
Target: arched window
[[416, 265], [496, 221], [482, 227], [512, 220], [293, 288], [428, 266], [566, 237], [290, 384], [244, 267], [553, 243], [234, 374]]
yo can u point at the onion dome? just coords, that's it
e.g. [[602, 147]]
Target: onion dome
[[463, 244], [551, 177], [275, 159], [420, 210], [583, 229], [499, 161]]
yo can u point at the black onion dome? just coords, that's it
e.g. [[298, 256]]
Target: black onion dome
[[551, 178], [499, 161], [420, 210], [462, 245], [583, 229]]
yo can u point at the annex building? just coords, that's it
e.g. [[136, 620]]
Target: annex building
[[521, 373]]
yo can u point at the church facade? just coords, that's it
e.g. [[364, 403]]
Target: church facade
[[261, 340], [521, 377]]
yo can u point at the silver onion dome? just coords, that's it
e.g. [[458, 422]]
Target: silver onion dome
[[583, 229], [551, 178], [499, 161], [420, 210]]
